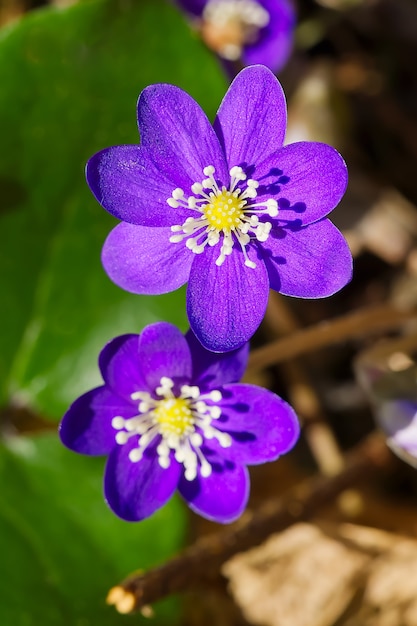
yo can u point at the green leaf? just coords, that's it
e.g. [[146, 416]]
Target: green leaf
[[61, 548], [70, 81]]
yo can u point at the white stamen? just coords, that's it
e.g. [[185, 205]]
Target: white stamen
[[215, 395], [225, 216], [118, 422], [201, 406], [182, 422], [205, 468], [135, 455], [197, 188], [140, 395], [165, 388], [196, 439], [122, 437], [178, 194], [164, 461]]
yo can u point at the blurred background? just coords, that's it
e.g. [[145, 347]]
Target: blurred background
[[70, 76]]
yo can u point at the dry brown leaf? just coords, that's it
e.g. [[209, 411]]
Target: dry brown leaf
[[297, 578], [326, 575]]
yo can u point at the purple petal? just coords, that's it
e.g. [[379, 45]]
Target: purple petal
[[120, 367], [131, 187], [222, 496], [86, 426], [261, 424], [135, 491], [275, 41], [143, 260], [308, 179], [252, 118], [310, 262], [226, 304], [398, 418], [179, 135], [210, 369], [163, 351]]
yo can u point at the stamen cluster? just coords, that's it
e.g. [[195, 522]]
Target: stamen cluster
[[182, 422], [225, 214], [237, 21]]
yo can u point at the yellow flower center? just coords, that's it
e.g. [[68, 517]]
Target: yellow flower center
[[224, 216], [174, 417], [181, 424], [224, 212]]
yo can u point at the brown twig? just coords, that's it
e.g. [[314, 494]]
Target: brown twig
[[206, 556], [280, 322], [353, 325]]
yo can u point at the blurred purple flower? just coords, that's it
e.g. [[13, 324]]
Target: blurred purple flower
[[398, 419], [249, 31], [227, 208], [171, 416]]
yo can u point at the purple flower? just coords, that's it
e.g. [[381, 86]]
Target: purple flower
[[250, 31], [227, 208], [398, 419], [170, 416]]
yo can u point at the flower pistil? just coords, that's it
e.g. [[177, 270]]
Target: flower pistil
[[225, 213], [182, 422]]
